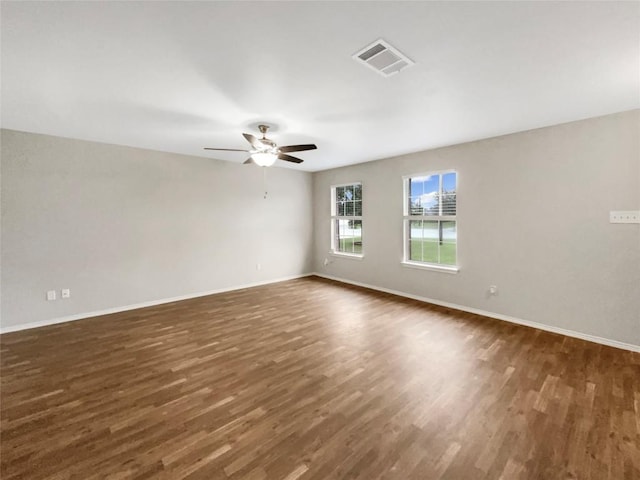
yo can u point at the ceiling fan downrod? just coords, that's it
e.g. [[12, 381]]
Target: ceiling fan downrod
[[263, 130]]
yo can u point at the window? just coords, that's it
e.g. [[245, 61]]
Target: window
[[430, 220], [346, 219]]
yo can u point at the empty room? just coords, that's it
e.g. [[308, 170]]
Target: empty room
[[314, 240]]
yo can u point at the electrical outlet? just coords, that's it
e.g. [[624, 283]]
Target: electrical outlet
[[493, 290], [51, 295], [65, 293], [624, 216]]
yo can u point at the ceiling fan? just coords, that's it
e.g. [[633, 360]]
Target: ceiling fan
[[265, 152]]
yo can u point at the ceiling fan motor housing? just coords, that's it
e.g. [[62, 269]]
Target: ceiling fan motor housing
[[270, 144]]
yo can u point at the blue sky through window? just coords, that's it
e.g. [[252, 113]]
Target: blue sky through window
[[424, 190], [449, 181]]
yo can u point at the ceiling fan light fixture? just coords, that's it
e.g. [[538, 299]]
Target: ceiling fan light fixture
[[264, 159]]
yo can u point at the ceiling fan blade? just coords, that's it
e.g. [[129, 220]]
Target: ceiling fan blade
[[255, 142], [248, 160], [297, 148], [289, 158], [226, 149]]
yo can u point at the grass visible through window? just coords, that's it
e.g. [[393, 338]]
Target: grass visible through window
[[427, 251], [351, 245]]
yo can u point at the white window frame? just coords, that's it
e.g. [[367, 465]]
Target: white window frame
[[334, 216], [406, 194]]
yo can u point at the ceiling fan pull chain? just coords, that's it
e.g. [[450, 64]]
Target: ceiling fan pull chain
[[264, 181]]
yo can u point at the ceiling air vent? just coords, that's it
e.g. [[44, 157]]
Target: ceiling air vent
[[383, 58]]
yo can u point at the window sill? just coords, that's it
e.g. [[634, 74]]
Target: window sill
[[433, 267], [351, 256]]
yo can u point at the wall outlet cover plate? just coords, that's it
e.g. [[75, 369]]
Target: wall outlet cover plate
[[624, 216]]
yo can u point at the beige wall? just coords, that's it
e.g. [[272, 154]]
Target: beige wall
[[533, 213], [122, 226]]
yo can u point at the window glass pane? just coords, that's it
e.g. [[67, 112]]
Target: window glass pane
[[449, 204], [343, 226], [356, 226], [415, 206], [348, 193], [342, 229], [340, 199], [449, 182], [449, 193], [357, 208], [415, 190], [336, 235], [416, 186], [415, 240], [357, 192], [448, 245], [430, 241], [349, 236], [348, 208], [429, 198]]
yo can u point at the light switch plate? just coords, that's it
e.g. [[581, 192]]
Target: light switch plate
[[51, 295], [624, 216]]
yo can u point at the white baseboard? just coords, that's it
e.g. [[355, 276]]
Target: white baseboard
[[81, 316], [498, 316]]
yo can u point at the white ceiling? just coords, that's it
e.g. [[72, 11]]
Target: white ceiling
[[178, 76]]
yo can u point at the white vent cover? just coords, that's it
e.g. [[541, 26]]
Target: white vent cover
[[383, 58]]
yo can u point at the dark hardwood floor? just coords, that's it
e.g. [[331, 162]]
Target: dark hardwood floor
[[310, 379]]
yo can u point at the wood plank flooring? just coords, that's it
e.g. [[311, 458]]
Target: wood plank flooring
[[312, 380]]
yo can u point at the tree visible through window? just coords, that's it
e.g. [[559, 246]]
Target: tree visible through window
[[430, 219], [346, 219]]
